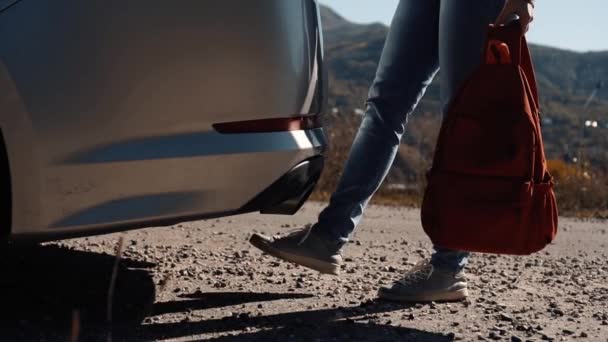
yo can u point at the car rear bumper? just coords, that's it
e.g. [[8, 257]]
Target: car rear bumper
[[287, 195], [284, 197]]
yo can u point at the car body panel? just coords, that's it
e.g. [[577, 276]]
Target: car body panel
[[108, 106]]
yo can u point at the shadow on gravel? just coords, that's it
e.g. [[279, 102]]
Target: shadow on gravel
[[202, 301], [42, 286], [339, 324]]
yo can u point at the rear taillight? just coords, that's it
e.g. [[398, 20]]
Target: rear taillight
[[296, 123]]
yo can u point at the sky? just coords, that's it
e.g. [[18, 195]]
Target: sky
[[580, 25]]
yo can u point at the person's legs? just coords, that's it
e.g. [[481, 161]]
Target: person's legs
[[408, 64], [462, 32]]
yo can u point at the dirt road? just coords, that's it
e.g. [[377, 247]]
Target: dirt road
[[201, 280]]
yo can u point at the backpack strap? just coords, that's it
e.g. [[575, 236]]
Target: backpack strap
[[528, 68], [512, 35]]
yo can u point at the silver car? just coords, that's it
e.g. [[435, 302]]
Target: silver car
[[119, 114]]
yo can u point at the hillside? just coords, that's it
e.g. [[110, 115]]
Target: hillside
[[351, 46]]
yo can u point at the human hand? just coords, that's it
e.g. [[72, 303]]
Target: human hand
[[524, 9]]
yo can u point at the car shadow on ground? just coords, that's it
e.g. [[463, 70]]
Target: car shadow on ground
[[332, 324], [41, 287], [47, 291]]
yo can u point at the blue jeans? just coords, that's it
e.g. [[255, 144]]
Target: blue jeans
[[424, 36]]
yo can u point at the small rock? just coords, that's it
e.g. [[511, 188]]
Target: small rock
[[493, 335], [505, 317], [455, 336], [547, 338], [567, 332]]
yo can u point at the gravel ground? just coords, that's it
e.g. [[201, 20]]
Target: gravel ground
[[201, 280]]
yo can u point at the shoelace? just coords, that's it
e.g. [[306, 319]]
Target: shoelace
[[421, 271]]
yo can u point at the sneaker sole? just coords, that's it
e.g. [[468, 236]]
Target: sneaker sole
[[315, 264], [451, 296]]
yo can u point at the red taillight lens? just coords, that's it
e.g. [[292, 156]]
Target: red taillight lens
[[295, 123]]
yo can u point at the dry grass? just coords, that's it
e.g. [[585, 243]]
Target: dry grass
[[580, 192]]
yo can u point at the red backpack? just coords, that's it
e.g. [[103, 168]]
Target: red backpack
[[489, 189]]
